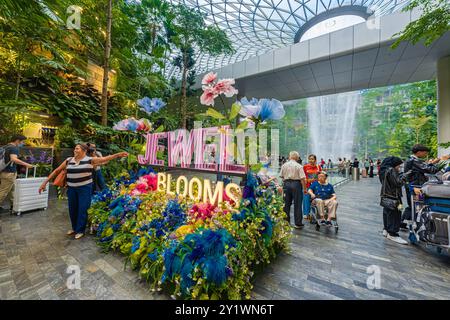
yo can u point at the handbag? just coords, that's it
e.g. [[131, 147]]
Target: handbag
[[388, 201], [61, 178]]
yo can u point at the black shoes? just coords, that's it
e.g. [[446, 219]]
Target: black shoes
[[299, 226]]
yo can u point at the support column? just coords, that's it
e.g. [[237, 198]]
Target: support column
[[443, 103]]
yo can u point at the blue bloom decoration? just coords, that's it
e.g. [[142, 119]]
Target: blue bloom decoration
[[136, 244], [271, 110], [204, 249], [262, 110], [150, 105]]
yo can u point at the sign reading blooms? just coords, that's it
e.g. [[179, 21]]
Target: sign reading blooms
[[198, 190]]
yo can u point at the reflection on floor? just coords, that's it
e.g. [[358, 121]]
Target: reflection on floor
[[35, 254]]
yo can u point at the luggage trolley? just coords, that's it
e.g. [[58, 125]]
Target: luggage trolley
[[431, 216]]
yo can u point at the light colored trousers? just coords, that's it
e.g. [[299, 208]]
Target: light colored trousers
[[330, 204], [7, 180]]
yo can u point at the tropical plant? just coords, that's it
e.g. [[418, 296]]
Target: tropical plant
[[189, 33], [433, 23]]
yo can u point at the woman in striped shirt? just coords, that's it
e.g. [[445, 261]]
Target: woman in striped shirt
[[80, 169]]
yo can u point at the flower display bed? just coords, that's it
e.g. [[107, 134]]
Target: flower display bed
[[188, 249]]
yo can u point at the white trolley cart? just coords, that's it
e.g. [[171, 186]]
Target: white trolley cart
[[26, 194]]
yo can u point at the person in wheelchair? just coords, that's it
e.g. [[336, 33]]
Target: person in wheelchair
[[323, 196]]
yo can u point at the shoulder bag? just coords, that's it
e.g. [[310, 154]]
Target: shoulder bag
[[61, 178]]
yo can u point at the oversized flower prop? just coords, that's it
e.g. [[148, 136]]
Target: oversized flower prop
[[133, 125], [261, 110], [145, 184], [202, 211], [150, 105], [213, 88]]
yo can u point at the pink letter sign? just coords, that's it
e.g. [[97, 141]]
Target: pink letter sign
[[226, 155], [181, 148], [152, 147]]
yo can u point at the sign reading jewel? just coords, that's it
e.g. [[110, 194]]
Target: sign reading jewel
[[190, 150], [194, 150]]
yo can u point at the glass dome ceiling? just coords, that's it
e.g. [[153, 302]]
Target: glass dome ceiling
[[258, 26]]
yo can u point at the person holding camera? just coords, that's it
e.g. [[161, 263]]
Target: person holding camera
[[80, 183], [99, 180]]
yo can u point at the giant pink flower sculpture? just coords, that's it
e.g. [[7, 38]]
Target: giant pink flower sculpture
[[212, 88]]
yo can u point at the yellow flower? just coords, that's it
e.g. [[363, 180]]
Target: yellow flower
[[184, 230]]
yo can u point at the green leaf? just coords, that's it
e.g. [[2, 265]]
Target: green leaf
[[235, 108], [243, 125], [214, 114], [160, 129], [256, 167]]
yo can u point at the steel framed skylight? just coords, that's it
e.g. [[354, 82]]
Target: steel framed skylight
[[258, 26]]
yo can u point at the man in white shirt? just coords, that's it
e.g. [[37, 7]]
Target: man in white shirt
[[294, 186]]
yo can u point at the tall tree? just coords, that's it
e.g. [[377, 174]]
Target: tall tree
[[107, 54], [433, 23], [190, 34]]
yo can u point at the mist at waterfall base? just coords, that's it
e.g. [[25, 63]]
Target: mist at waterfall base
[[331, 125]]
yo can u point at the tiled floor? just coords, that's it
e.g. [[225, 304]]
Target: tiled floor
[[35, 254]]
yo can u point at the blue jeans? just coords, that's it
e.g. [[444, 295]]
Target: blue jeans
[[99, 180], [79, 203], [306, 204]]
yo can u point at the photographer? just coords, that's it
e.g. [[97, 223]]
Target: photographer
[[99, 180]]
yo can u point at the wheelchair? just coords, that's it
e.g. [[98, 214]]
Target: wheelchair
[[315, 218]]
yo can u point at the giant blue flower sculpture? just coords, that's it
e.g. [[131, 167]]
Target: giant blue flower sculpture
[[150, 106], [261, 110]]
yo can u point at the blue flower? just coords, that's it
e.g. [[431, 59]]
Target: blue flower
[[271, 110], [153, 255], [136, 244], [263, 110], [204, 249], [150, 105]]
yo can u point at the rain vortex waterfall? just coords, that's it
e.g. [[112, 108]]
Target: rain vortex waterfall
[[331, 123]]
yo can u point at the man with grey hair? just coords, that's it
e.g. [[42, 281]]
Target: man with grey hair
[[294, 185]]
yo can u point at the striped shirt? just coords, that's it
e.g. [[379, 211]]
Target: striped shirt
[[80, 174]]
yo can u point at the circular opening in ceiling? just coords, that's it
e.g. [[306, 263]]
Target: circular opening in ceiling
[[331, 25], [332, 20]]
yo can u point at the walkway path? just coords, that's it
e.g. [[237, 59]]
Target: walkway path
[[325, 265], [35, 253]]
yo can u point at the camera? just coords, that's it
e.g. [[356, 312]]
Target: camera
[[91, 150]]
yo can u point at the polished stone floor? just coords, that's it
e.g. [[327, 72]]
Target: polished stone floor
[[35, 255]]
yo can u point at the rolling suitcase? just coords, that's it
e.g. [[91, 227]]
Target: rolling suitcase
[[441, 228], [26, 194], [437, 196]]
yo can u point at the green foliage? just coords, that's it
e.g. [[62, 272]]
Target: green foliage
[[434, 22], [293, 129], [391, 120], [66, 137]]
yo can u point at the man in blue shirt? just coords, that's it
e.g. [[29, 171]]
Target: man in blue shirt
[[323, 196], [9, 174]]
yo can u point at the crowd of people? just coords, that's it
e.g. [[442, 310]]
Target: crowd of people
[[305, 186], [343, 166]]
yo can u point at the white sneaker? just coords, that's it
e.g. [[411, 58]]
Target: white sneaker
[[79, 236], [385, 233], [397, 239]]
